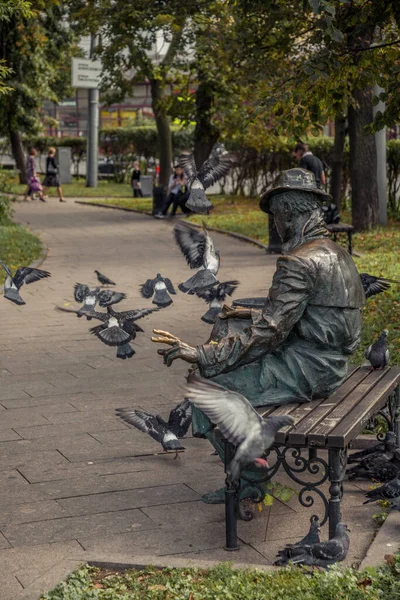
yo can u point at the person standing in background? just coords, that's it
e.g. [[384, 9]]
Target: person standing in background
[[176, 192], [312, 163], [52, 178], [135, 181], [33, 180]]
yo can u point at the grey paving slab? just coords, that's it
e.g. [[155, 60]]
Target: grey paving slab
[[32, 511]]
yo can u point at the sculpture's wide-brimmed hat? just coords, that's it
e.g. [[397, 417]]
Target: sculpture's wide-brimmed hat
[[292, 179]]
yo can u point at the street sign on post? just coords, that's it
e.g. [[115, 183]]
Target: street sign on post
[[86, 73]]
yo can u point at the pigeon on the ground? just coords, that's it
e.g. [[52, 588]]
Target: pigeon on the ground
[[322, 554], [238, 421], [166, 433], [22, 275], [200, 253], [378, 353], [379, 466], [209, 173], [215, 297], [388, 445], [388, 491], [118, 328], [375, 285], [160, 286], [103, 279], [312, 537]]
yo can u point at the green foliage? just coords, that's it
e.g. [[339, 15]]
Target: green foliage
[[278, 491], [225, 583]]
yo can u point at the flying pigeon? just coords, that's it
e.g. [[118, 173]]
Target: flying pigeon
[[103, 279], [375, 285], [379, 466], [322, 554], [165, 433], [238, 421], [388, 445], [119, 328], [209, 173], [388, 491], [312, 537], [160, 286], [378, 353], [200, 253], [89, 298], [215, 297], [109, 297], [22, 275]]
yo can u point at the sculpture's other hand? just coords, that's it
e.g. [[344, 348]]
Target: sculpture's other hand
[[179, 349], [234, 313]]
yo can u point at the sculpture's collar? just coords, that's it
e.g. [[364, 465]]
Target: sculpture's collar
[[313, 228]]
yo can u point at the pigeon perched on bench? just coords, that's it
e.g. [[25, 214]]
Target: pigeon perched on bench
[[118, 328], [322, 554], [389, 491], [312, 537], [200, 253], [13, 284], [378, 353], [209, 173], [388, 445], [378, 466], [238, 422], [161, 287], [375, 285], [166, 434], [103, 279], [215, 297]]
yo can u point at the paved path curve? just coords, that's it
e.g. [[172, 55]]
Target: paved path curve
[[73, 478]]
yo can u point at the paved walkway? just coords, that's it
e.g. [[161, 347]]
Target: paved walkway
[[73, 477]]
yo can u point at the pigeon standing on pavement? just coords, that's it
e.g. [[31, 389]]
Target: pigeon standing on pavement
[[209, 173], [215, 297], [389, 491], [379, 466], [103, 279], [13, 284], [166, 434], [161, 287], [322, 554], [312, 537], [200, 253], [378, 353], [375, 285], [238, 422], [388, 445], [119, 328]]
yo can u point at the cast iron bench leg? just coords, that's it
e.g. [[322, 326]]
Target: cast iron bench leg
[[397, 415], [231, 502], [335, 490]]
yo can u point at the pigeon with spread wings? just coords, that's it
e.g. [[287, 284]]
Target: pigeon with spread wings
[[238, 422], [22, 275], [209, 173], [160, 287], [198, 248], [375, 285], [215, 298]]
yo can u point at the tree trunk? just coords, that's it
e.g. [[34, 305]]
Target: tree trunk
[[205, 133], [163, 133], [363, 162], [338, 159], [17, 151]]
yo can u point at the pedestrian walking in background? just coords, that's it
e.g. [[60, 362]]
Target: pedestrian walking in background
[[177, 194], [135, 181], [311, 163], [52, 178], [34, 185]]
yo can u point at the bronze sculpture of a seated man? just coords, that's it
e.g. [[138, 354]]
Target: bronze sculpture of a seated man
[[296, 348]]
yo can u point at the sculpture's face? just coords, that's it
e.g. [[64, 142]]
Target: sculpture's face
[[282, 214]]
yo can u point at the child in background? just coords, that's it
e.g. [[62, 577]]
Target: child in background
[[135, 181], [34, 184], [52, 178]]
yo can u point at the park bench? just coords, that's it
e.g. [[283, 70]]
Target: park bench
[[318, 443], [336, 228]]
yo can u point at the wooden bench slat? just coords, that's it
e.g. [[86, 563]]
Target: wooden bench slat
[[299, 435], [300, 413], [317, 437], [365, 409]]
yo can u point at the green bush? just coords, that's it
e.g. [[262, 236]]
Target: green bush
[[6, 180]]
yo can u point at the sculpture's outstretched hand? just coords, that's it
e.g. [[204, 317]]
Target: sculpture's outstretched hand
[[179, 349], [234, 313]]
